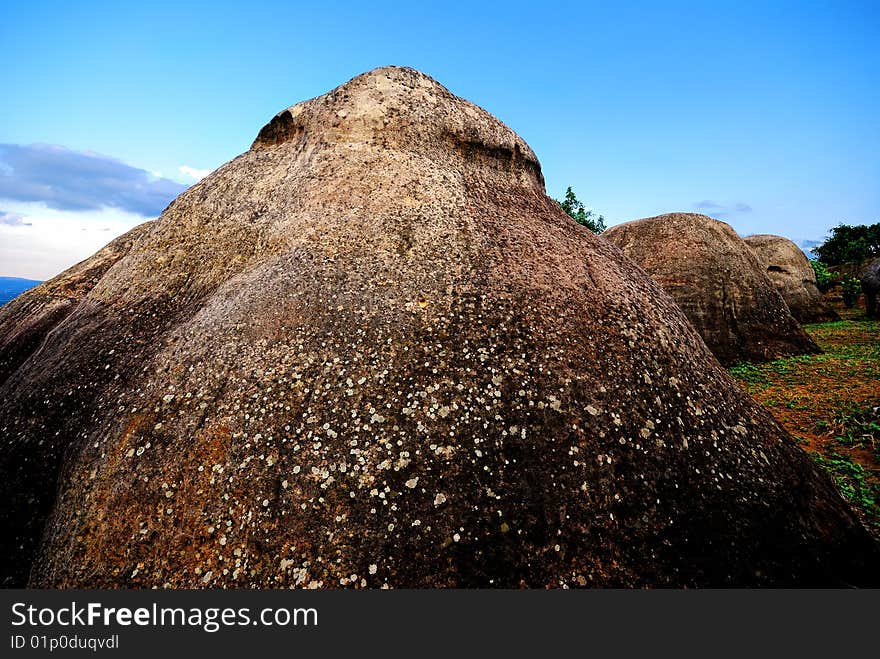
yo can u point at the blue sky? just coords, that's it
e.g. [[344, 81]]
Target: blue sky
[[763, 114]]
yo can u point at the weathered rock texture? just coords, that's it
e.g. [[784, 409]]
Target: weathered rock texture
[[718, 283], [371, 351], [871, 288], [855, 269], [790, 271]]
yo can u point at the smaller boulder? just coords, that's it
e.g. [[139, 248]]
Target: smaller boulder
[[790, 271], [717, 281], [871, 288]]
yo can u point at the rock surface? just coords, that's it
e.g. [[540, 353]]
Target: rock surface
[[718, 283], [372, 352], [871, 288], [854, 269], [790, 271]]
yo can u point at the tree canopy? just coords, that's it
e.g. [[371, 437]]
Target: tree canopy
[[580, 213], [849, 243]]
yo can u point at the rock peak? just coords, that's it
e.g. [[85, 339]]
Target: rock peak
[[395, 108]]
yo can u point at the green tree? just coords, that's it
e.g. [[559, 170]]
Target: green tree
[[580, 213], [848, 244]]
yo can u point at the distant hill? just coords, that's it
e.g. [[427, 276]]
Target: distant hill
[[11, 287]]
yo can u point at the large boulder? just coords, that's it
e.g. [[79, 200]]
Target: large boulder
[[871, 288], [718, 283], [790, 271], [371, 351]]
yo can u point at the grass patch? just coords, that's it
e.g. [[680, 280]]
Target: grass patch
[[855, 484], [831, 404]]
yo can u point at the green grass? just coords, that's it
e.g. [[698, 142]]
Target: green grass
[[759, 376], [858, 355], [852, 480], [823, 327]]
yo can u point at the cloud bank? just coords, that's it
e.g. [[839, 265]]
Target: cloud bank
[[807, 247], [13, 220], [37, 242], [64, 179], [722, 211]]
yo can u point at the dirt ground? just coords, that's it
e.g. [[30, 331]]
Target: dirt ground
[[831, 404]]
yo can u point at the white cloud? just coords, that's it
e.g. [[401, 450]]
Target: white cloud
[[193, 173], [45, 241], [13, 220]]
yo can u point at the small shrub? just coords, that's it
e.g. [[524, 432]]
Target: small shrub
[[580, 213], [824, 279]]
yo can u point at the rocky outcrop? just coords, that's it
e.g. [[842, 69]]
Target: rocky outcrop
[[790, 271], [871, 288], [372, 352], [854, 269], [718, 283]]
